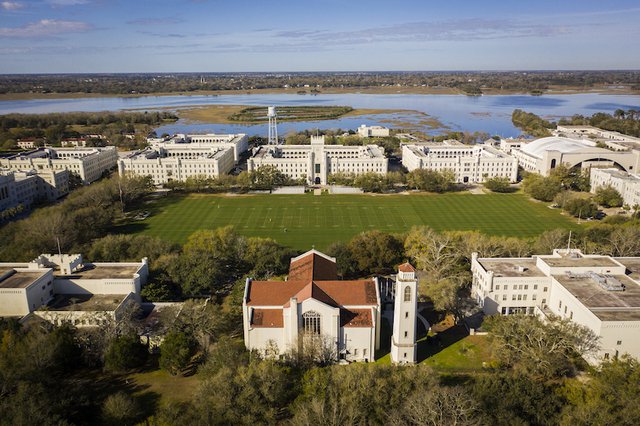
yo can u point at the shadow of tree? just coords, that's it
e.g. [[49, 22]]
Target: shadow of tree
[[92, 388], [432, 345]]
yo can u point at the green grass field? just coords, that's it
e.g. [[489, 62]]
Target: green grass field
[[300, 221]]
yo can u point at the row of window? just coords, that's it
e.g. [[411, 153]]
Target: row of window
[[519, 287], [522, 297]]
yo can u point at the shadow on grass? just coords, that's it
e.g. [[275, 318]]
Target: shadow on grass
[[431, 345], [95, 386], [153, 205]]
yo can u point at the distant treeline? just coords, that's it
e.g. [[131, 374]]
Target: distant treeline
[[627, 122], [469, 82], [531, 124], [57, 126]]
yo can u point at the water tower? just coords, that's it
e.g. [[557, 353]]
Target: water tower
[[273, 125]]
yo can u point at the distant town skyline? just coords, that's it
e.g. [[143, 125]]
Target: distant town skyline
[[103, 36]]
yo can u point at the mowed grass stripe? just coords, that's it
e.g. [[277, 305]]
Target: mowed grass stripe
[[300, 221]]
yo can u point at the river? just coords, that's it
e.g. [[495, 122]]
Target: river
[[489, 113]]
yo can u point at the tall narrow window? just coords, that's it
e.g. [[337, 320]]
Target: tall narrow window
[[311, 322], [407, 294]]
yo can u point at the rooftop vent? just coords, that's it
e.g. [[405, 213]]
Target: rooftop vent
[[521, 268], [607, 282]]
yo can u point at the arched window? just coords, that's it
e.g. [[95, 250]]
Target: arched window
[[311, 322], [407, 294], [553, 163]]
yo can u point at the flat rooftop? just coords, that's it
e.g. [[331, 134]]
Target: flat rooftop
[[506, 267], [18, 279], [98, 272], [619, 174], [579, 262], [86, 302], [632, 264], [605, 304]]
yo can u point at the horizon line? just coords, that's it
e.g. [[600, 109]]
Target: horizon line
[[331, 72]]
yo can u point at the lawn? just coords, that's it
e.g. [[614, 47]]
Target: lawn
[[466, 354], [302, 221]]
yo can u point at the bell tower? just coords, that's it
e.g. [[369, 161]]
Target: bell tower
[[403, 340]]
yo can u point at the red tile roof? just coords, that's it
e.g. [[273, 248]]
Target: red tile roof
[[333, 293], [406, 267], [313, 267], [267, 318], [273, 293], [355, 318], [313, 276]]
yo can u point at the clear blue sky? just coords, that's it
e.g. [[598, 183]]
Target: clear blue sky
[[324, 35]]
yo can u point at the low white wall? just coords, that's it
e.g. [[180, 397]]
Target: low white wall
[[288, 190], [339, 189]]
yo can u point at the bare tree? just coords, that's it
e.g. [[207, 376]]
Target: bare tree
[[549, 348], [312, 349], [436, 407]]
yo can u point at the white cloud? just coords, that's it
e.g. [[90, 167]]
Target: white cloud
[[11, 5], [45, 27], [66, 2]]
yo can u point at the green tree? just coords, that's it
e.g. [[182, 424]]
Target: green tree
[[609, 397], [124, 353], [375, 252], [531, 123], [267, 177], [176, 351], [498, 184], [256, 394], [581, 207], [508, 399], [129, 248], [431, 180], [266, 258], [345, 263], [210, 261], [541, 188], [607, 196]]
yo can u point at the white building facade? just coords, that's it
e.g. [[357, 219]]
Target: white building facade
[[373, 131], [315, 162], [88, 163], [601, 293], [313, 307], [469, 163], [627, 184], [27, 188], [178, 162], [63, 288]]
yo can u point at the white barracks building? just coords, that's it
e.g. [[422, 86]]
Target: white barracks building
[[88, 163], [177, 163], [627, 184], [599, 292], [469, 163], [315, 162], [183, 156]]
